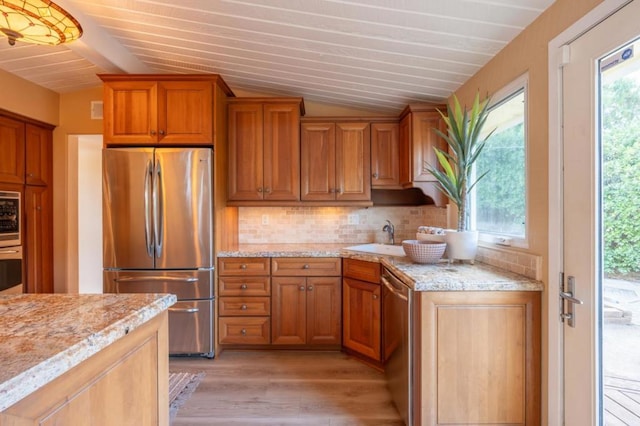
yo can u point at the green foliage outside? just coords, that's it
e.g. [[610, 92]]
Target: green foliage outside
[[500, 195], [621, 176]]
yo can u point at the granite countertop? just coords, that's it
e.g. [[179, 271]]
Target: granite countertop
[[42, 336], [441, 276]]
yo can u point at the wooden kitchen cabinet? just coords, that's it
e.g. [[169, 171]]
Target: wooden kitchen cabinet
[[264, 149], [160, 109], [306, 304], [361, 317], [38, 239], [385, 162], [417, 140], [12, 147], [478, 358], [244, 301], [335, 161], [38, 146]]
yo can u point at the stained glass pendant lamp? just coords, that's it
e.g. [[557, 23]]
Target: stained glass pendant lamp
[[37, 21]]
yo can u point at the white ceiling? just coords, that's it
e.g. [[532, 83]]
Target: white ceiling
[[367, 54]]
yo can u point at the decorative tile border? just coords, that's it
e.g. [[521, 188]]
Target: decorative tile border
[[529, 265]]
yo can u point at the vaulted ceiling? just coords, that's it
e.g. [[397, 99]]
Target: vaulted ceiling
[[366, 54]]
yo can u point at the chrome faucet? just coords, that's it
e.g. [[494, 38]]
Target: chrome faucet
[[388, 228]]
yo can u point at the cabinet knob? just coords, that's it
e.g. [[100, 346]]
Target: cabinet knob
[[339, 191], [267, 190], [30, 174], [243, 286], [375, 297], [332, 190], [259, 189], [375, 175], [243, 307], [310, 288], [306, 266], [153, 133], [38, 208], [301, 288], [161, 132], [243, 331], [243, 266]]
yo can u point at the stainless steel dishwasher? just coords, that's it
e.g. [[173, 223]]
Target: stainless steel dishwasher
[[398, 342]]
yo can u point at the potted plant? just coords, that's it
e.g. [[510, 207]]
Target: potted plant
[[455, 175]]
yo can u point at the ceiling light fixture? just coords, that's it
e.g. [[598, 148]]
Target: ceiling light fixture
[[37, 21]]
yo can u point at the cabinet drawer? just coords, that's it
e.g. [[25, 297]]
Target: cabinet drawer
[[241, 286], [306, 266], [247, 331], [362, 270], [244, 306], [246, 266]]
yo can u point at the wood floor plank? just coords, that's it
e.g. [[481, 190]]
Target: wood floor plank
[[285, 388]]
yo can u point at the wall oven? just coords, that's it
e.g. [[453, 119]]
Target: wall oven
[[10, 219], [11, 270]]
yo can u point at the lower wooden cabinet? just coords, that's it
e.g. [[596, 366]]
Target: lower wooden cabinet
[[477, 358], [306, 311], [126, 383], [38, 242], [361, 317]]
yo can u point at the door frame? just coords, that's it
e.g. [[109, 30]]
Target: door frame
[[554, 401]]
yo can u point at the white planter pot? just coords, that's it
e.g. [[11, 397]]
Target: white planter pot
[[461, 245]]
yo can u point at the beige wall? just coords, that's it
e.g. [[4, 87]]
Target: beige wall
[[75, 119], [529, 53], [28, 99]]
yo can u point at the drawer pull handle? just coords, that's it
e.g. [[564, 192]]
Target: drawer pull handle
[[310, 288], [301, 288], [243, 286], [186, 310], [306, 266], [243, 307], [243, 331], [243, 266], [375, 297]]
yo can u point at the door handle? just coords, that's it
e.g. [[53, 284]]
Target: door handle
[[148, 173], [570, 299], [185, 310], [158, 207], [156, 278]]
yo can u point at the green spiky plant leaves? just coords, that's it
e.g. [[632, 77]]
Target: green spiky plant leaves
[[465, 141]]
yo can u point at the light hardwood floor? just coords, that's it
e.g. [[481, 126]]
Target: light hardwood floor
[[285, 388]]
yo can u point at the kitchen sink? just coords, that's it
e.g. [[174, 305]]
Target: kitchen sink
[[375, 248]]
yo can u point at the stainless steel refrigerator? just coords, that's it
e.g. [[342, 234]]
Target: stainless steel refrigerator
[[158, 235]]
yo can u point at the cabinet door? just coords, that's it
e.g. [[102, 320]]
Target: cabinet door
[[323, 311], [185, 112], [281, 151], [405, 159], [288, 310], [38, 237], [38, 155], [130, 112], [318, 161], [353, 162], [246, 155], [385, 166], [12, 149], [361, 317], [424, 139]]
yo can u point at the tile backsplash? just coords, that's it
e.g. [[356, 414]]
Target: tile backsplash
[[263, 225]]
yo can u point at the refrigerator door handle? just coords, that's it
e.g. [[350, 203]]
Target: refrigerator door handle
[[156, 278], [158, 206], [147, 208]]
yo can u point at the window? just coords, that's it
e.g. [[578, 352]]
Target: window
[[499, 200]]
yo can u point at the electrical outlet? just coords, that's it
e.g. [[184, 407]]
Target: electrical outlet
[[353, 219], [265, 219]]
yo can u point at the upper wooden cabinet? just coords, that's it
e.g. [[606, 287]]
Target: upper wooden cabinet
[[38, 145], [264, 151], [12, 147], [417, 140], [167, 109], [385, 148], [335, 161]]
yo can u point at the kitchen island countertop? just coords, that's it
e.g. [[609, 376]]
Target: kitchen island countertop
[[441, 276], [42, 336]]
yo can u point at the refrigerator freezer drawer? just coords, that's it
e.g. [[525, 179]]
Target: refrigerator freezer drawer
[[190, 328], [190, 284]]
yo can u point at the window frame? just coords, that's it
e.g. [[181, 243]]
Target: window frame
[[521, 83]]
